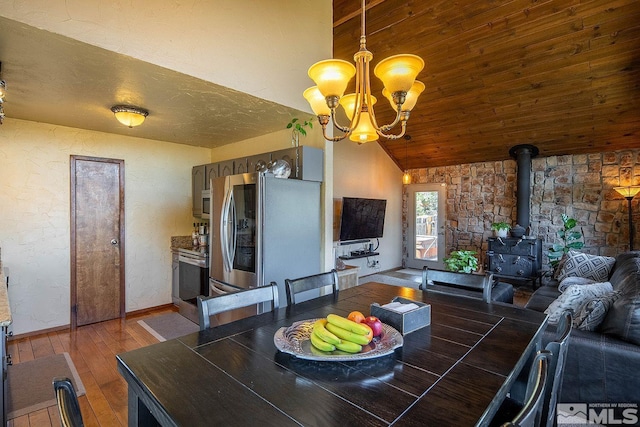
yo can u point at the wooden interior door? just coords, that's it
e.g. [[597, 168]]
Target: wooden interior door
[[97, 246]]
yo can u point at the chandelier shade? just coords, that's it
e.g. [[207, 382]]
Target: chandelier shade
[[398, 74], [128, 115], [412, 96], [317, 101], [332, 76], [364, 130], [349, 101]]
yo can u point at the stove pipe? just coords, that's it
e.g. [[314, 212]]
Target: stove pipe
[[523, 154]]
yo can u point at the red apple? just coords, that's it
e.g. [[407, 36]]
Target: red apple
[[375, 324]]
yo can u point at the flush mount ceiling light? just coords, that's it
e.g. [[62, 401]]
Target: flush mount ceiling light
[[128, 115], [398, 74]]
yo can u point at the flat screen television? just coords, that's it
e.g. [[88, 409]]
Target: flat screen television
[[362, 218]]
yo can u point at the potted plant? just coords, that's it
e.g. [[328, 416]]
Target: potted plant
[[500, 228], [297, 129], [462, 261], [569, 239]]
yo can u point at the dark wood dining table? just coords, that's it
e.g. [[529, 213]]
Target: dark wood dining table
[[454, 372]]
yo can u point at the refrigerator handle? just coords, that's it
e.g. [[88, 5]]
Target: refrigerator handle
[[224, 230], [234, 231]]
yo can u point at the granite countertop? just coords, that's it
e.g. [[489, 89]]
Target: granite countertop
[[178, 242], [5, 310]]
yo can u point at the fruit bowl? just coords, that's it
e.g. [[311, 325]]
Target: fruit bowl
[[294, 340]]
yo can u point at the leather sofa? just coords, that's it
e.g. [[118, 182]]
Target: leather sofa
[[603, 366]]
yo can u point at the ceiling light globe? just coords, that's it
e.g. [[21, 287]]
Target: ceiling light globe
[[332, 76], [129, 116], [398, 72]]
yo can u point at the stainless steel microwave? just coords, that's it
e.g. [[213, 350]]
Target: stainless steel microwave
[[206, 204]]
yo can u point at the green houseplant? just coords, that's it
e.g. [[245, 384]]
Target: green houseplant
[[297, 129], [501, 228], [462, 261], [570, 238]]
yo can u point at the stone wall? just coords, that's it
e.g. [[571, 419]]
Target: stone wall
[[581, 186]]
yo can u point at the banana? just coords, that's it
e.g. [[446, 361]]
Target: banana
[[322, 333], [317, 352], [345, 335], [321, 345], [349, 325], [349, 347]]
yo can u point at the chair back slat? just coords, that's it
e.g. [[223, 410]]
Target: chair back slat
[[67, 400], [558, 349], [210, 306], [530, 414], [308, 283]]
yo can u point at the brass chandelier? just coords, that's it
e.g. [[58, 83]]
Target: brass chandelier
[[398, 74]]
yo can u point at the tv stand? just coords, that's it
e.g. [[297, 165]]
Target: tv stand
[[359, 254]]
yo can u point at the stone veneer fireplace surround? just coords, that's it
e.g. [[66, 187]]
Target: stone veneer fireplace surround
[[581, 186]]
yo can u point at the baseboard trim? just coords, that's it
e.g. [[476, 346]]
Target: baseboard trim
[[128, 315]]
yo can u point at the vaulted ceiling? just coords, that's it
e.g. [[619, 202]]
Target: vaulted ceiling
[[563, 75]]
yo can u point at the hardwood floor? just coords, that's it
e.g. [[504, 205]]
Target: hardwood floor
[[93, 349]]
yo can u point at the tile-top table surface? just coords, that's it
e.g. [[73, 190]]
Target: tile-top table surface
[[454, 372]]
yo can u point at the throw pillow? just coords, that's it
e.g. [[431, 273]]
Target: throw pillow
[[593, 312], [593, 267], [574, 297], [573, 280]]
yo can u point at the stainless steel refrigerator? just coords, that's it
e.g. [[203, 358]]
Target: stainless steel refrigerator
[[262, 229]]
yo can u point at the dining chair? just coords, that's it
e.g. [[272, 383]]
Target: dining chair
[[209, 306], [530, 414], [556, 355], [558, 348], [308, 283], [67, 400]]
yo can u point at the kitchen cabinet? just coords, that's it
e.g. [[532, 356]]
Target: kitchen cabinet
[[240, 166], [212, 170], [252, 161], [198, 178], [227, 168], [307, 163]]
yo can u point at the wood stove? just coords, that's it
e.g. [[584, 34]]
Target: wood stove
[[518, 257], [515, 257]]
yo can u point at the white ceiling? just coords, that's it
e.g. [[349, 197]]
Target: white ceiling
[[58, 80]]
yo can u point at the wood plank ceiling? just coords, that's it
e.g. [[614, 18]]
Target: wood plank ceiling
[[563, 75]]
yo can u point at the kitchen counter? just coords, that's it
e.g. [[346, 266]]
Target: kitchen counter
[[178, 242]]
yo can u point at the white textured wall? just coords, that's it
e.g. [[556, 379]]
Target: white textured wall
[[263, 47], [367, 171], [35, 212], [259, 47]]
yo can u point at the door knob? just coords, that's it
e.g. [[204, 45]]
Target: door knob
[[114, 242]]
